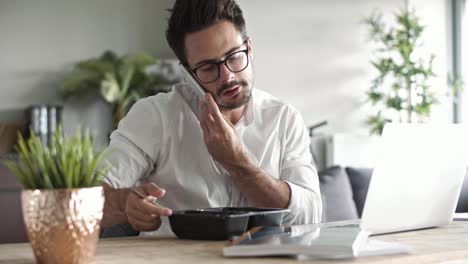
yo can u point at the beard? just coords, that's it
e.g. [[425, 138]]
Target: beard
[[241, 99]]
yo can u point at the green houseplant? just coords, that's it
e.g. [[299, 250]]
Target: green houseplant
[[121, 81], [62, 200], [400, 91]]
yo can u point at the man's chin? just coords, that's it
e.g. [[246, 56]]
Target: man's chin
[[235, 105], [231, 106]]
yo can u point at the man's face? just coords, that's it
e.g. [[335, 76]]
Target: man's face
[[230, 90]]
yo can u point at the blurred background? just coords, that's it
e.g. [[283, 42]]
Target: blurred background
[[313, 54], [316, 55]]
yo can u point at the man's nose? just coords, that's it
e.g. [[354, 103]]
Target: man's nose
[[225, 75]]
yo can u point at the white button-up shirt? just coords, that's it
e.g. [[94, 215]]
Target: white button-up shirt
[[161, 141]]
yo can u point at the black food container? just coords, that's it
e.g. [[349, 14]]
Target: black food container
[[222, 223]]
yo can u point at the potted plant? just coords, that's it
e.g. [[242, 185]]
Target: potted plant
[[121, 81], [62, 200], [400, 92]]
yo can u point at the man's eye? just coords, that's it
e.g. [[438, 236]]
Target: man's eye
[[234, 57], [208, 68]]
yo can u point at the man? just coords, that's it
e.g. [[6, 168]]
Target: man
[[242, 147]]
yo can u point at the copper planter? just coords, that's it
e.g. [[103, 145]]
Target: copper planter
[[63, 224]]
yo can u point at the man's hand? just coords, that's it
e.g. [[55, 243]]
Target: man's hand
[[220, 136], [225, 146], [142, 214]]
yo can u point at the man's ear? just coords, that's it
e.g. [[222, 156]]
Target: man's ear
[[249, 45]]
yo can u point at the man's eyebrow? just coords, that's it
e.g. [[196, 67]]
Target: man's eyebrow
[[215, 60]]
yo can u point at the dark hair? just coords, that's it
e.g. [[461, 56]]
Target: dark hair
[[189, 16]]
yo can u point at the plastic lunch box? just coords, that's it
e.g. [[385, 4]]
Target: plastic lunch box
[[222, 223]]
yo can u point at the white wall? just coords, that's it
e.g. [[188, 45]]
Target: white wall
[[313, 54], [40, 40]]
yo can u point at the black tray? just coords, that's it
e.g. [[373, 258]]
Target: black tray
[[222, 223]]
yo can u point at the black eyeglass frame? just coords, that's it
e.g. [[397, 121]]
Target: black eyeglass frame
[[218, 63]]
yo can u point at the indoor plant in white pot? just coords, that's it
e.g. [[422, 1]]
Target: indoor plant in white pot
[[62, 200]]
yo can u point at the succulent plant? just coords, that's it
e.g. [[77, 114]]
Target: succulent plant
[[66, 163]]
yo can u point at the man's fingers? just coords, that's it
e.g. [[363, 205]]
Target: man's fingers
[[207, 122], [149, 208], [213, 108], [151, 189], [204, 126], [144, 226], [146, 205], [144, 217], [205, 129], [228, 121], [211, 118], [205, 114], [141, 212]]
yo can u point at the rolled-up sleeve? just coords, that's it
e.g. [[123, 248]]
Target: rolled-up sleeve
[[299, 172], [133, 150], [127, 163], [305, 203]]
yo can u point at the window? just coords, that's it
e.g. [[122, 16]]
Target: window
[[460, 58], [464, 52]]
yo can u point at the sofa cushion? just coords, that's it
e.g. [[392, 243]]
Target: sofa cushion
[[337, 196], [359, 179], [462, 206]]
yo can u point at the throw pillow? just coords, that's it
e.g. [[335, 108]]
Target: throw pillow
[[337, 197], [359, 179], [462, 206]]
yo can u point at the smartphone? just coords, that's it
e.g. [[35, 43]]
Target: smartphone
[[192, 82]]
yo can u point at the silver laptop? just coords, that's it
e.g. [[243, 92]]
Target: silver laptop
[[417, 179]]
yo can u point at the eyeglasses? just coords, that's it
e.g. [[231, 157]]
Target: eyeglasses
[[235, 62]]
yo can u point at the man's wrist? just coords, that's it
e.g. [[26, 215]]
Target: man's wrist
[[115, 205], [262, 189], [123, 196], [243, 167]]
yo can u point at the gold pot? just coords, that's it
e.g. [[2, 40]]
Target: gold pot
[[63, 224]]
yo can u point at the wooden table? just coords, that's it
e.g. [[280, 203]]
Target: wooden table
[[436, 245]]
